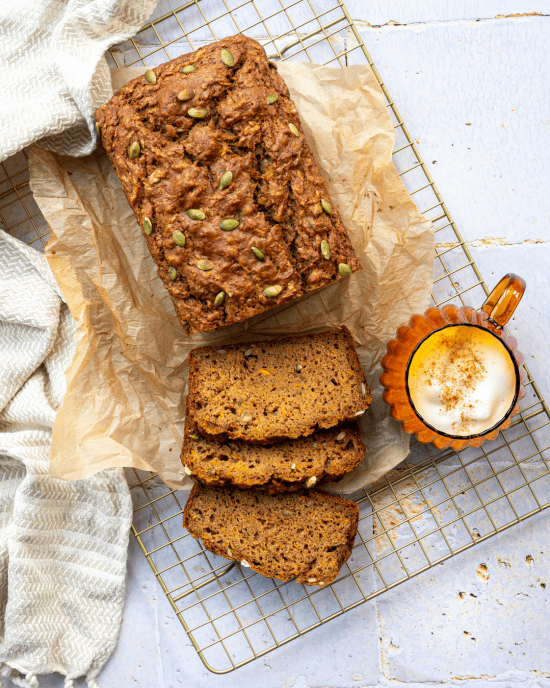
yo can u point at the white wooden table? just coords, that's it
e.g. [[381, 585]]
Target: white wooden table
[[474, 89]]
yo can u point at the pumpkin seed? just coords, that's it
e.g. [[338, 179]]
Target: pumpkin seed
[[363, 389], [359, 413], [272, 98], [249, 352], [147, 226], [325, 205], [179, 238], [325, 250], [187, 470], [134, 149], [344, 270], [340, 436], [299, 367], [245, 417], [188, 69], [221, 351], [193, 437], [186, 94], [294, 129], [312, 580], [96, 128], [259, 254], [274, 290], [226, 179], [315, 445], [212, 471], [229, 551], [150, 76], [197, 113], [293, 467], [220, 298], [287, 513], [205, 265], [245, 564], [229, 225], [310, 482], [194, 214], [172, 274], [227, 57]]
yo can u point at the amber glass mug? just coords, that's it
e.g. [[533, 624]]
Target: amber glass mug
[[452, 377]]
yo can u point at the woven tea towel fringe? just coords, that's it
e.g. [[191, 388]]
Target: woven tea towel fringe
[[63, 545], [53, 51]]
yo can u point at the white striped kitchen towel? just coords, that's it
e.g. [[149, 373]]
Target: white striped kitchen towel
[[63, 545], [52, 57]]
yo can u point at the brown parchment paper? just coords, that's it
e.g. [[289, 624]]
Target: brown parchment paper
[[124, 404]]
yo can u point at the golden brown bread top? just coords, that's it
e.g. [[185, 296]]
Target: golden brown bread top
[[174, 137]]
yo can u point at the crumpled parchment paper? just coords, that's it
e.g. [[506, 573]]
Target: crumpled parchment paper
[[124, 404]]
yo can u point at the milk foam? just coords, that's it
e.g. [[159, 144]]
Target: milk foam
[[462, 380]]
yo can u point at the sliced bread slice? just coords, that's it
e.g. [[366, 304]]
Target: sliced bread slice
[[265, 392], [304, 534], [324, 456]]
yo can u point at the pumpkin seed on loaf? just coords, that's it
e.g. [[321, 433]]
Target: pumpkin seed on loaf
[[266, 392], [308, 535]]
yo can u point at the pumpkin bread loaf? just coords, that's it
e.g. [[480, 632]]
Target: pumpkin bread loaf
[[211, 155], [324, 456], [266, 392], [304, 534]]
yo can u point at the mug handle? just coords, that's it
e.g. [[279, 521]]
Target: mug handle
[[503, 300]]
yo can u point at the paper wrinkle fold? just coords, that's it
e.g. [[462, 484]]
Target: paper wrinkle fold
[[126, 386]]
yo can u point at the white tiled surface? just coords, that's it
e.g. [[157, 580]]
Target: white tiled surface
[[474, 92]]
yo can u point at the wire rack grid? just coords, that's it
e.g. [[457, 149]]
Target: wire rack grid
[[433, 506]]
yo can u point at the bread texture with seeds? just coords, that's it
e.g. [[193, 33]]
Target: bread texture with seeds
[[265, 392], [324, 456], [304, 534], [211, 155]]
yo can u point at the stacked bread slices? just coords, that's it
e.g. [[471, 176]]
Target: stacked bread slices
[[265, 422]]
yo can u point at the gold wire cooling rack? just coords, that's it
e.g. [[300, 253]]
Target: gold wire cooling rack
[[431, 507]]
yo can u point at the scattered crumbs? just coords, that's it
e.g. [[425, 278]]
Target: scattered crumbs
[[461, 595], [529, 559], [472, 595], [468, 124], [482, 572]]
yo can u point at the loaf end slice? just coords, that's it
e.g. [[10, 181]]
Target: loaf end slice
[[266, 392], [324, 456], [304, 534]]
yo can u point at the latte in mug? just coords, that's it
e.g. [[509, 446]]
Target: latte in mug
[[462, 380]]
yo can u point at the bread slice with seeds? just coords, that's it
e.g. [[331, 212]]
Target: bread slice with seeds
[[305, 534], [324, 456], [266, 392]]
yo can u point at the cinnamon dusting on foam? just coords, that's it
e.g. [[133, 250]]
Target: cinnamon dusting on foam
[[462, 380]]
